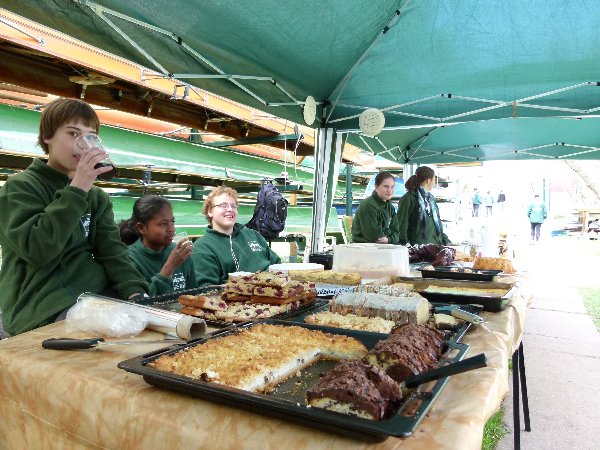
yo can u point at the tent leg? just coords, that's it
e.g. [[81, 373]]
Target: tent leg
[[328, 154]]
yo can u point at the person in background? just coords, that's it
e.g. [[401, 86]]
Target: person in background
[[57, 230], [149, 233], [501, 200], [375, 219], [418, 214], [227, 245], [476, 202], [488, 201], [537, 213], [501, 197]]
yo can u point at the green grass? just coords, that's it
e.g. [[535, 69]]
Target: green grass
[[494, 430], [591, 300]]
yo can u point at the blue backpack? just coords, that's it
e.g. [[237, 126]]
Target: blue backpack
[[270, 212]]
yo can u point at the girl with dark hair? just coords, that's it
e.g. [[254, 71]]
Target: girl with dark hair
[[418, 214], [375, 219], [149, 233]]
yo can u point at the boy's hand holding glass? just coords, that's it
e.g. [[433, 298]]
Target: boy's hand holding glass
[[90, 141]]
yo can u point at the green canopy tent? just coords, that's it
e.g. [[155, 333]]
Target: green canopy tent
[[454, 79]]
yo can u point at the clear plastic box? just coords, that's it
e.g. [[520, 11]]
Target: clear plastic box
[[372, 261]]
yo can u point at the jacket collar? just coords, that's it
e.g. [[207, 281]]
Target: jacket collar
[[378, 199], [53, 176], [139, 244], [236, 230]]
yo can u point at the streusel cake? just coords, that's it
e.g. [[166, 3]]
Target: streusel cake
[[258, 358]]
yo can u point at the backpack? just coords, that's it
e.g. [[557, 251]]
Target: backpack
[[270, 212]]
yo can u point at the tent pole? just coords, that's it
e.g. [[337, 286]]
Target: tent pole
[[349, 189], [328, 154]]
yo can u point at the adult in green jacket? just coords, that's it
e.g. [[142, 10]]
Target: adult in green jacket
[[418, 213], [375, 219], [537, 213], [228, 246], [57, 231], [149, 233]]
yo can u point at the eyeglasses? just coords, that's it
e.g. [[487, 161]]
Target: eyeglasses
[[226, 206]]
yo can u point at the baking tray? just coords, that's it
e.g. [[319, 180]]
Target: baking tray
[[287, 401], [448, 273], [455, 335], [477, 294], [170, 302]]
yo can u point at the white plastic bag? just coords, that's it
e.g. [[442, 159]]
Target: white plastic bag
[[101, 316]]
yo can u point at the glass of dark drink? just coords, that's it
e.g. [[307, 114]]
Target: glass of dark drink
[[88, 141]]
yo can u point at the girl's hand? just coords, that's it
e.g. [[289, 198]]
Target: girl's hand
[[85, 174], [180, 253], [382, 240]]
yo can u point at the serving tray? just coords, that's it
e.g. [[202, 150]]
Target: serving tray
[[449, 273], [473, 292], [170, 302], [455, 335], [287, 400]]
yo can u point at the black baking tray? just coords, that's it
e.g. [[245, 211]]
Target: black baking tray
[[287, 401], [493, 302], [455, 334], [170, 302], [448, 273]]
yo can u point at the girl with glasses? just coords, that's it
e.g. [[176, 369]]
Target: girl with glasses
[[228, 246], [149, 233]]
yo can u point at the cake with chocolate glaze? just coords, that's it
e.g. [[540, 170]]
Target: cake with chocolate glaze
[[358, 389], [409, 350]]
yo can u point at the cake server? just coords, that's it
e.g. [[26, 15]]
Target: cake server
[[77, 344], [456, 311], [465, 365]]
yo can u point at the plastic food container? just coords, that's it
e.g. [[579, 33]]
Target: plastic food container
[[372, 261], [285, 267]]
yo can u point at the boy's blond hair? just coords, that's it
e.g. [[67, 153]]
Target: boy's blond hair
[[208, 202]]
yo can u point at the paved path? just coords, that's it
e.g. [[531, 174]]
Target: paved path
[[562, 353]]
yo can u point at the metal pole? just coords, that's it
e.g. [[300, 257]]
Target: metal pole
[[349, 189]]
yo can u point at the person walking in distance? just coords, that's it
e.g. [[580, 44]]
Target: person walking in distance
[[537, 213], [501, 200], [488, 201], [476, 199]]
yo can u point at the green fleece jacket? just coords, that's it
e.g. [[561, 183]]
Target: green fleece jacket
[[57, 242], [214, 253], [150, 262], [537, 211], [412, 230], [375, 218]]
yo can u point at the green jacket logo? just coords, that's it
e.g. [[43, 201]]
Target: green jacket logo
[[255, 246], [85, 224], [178, 281]]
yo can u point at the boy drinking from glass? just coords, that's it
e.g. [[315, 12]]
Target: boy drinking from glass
[[57, 231]]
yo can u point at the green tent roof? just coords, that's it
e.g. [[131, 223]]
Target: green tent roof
[[425, 63]]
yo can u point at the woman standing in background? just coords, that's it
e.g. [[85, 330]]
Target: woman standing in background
[[376, 220], [418, 213]]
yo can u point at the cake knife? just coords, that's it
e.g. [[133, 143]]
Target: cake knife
[[465, 365], [75, 344]]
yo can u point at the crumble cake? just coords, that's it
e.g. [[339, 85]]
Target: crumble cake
[[258, 358]]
